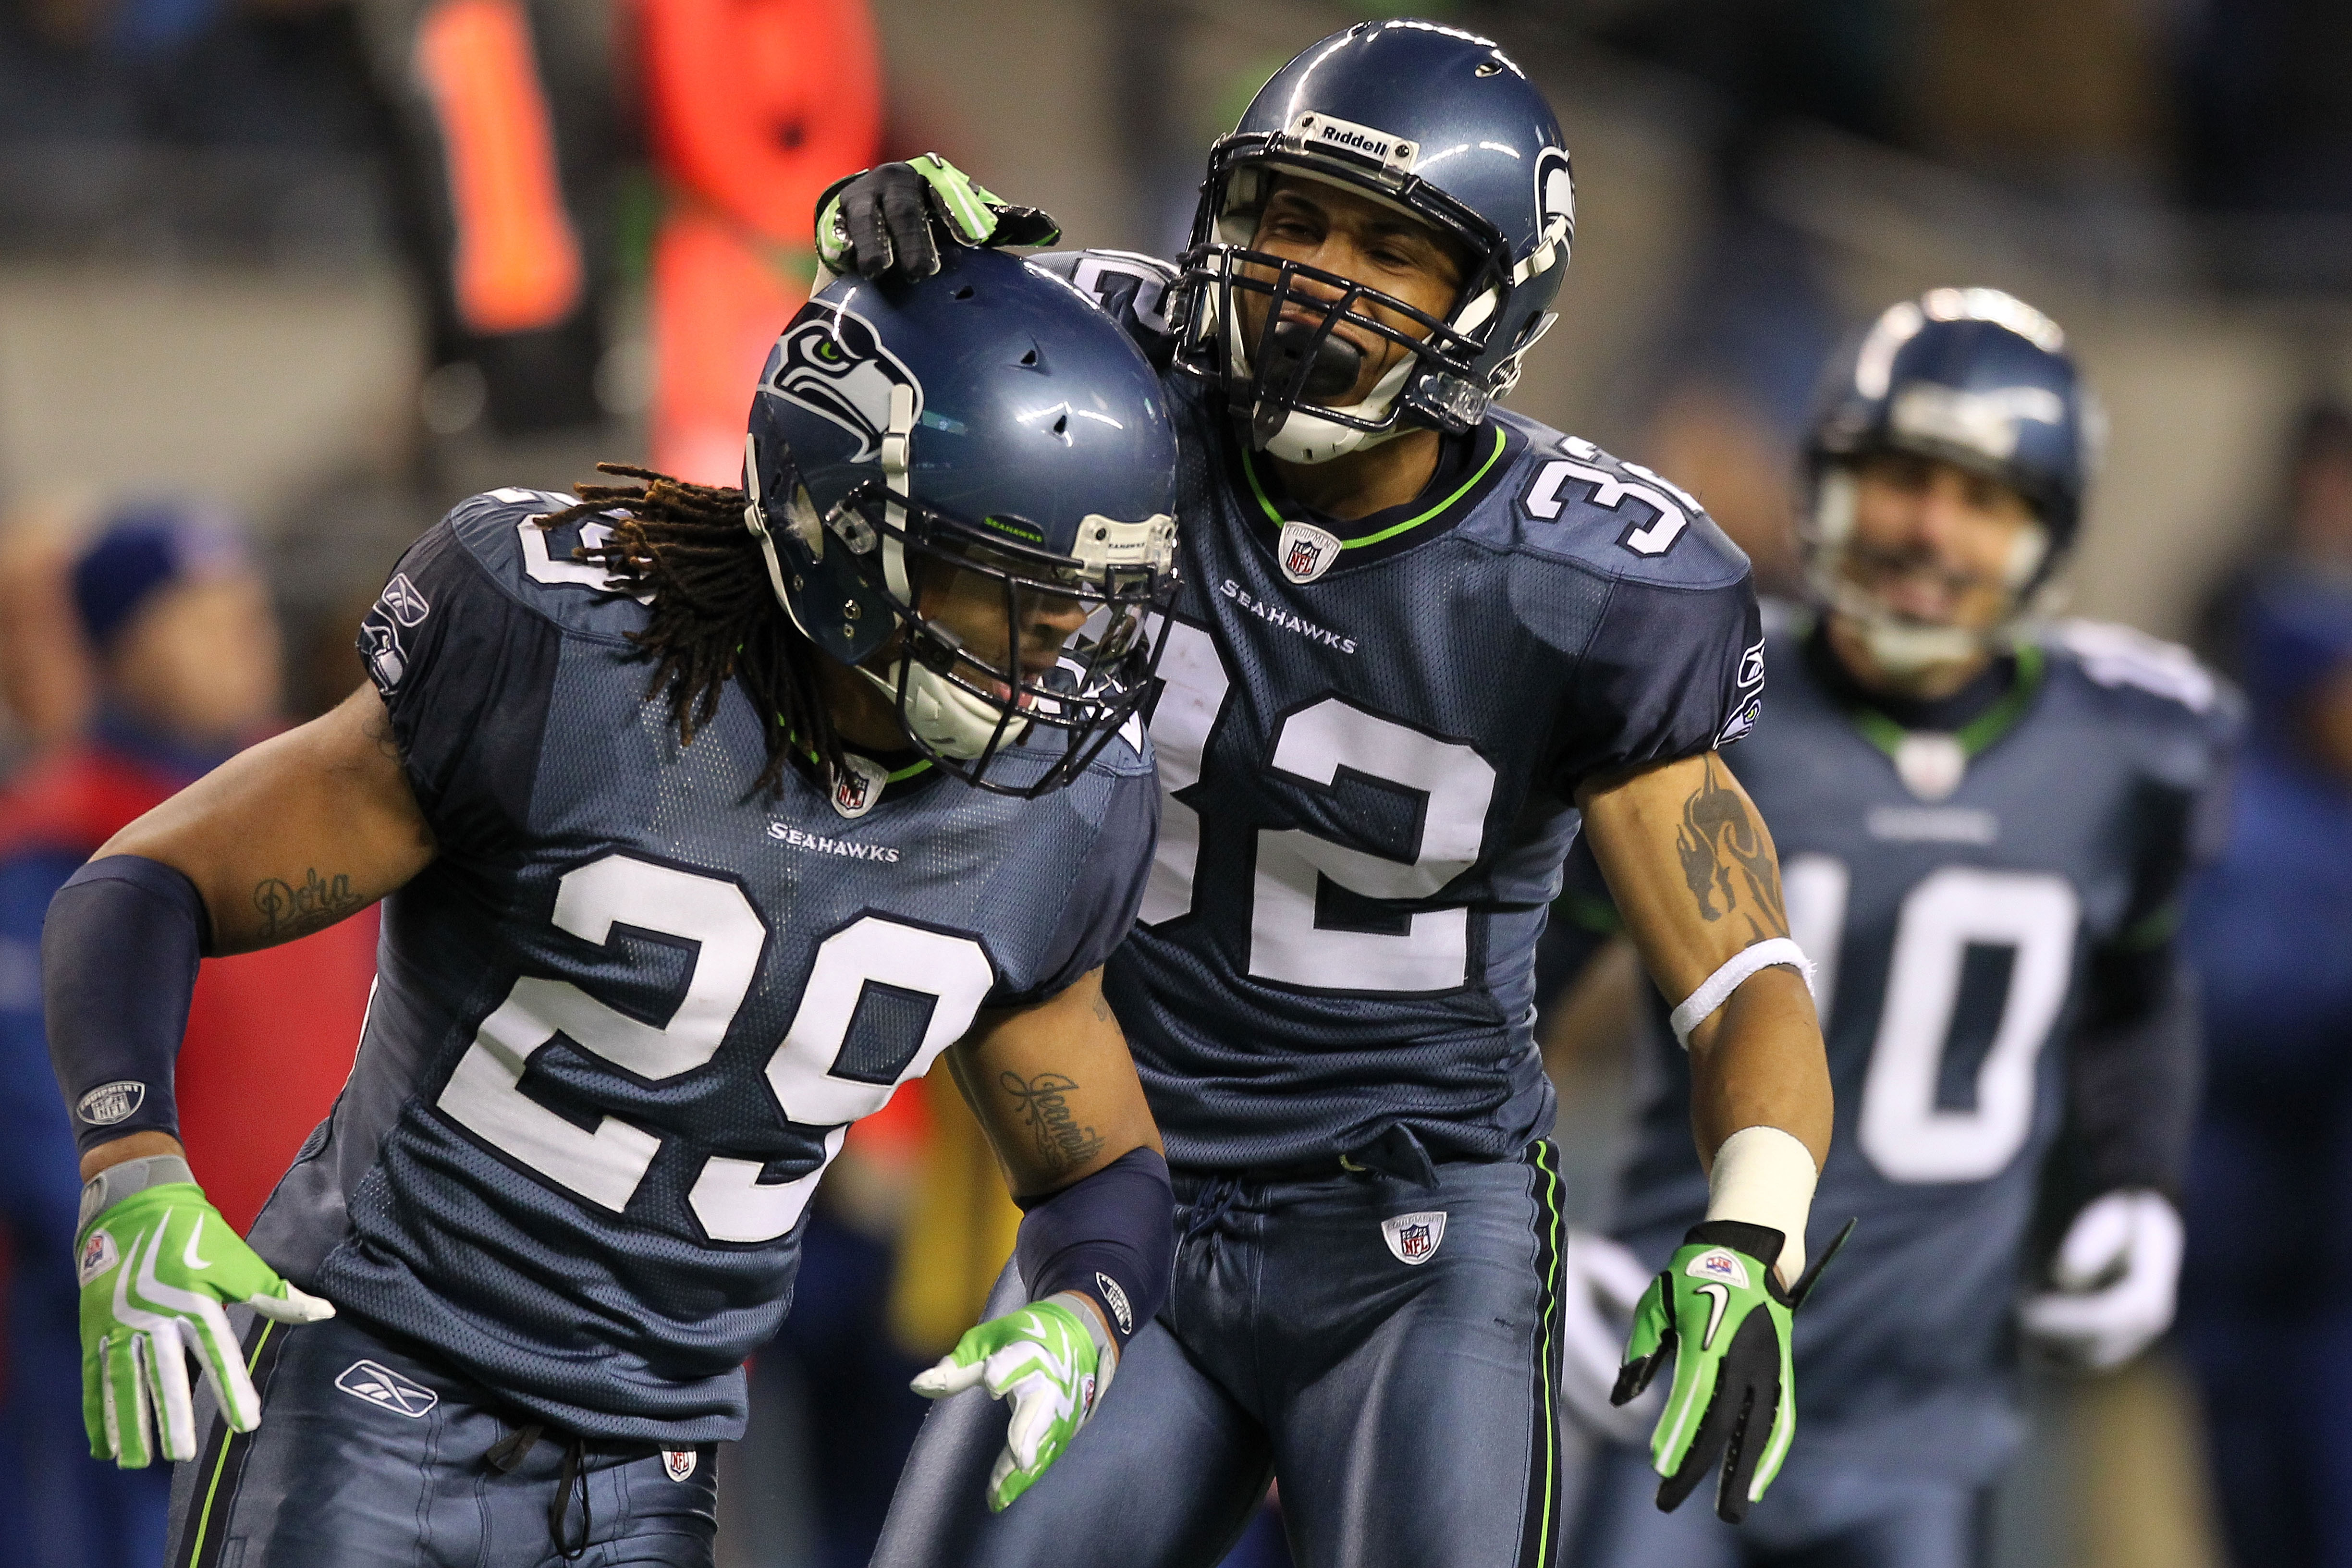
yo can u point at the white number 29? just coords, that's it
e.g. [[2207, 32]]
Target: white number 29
[[605, 1165]]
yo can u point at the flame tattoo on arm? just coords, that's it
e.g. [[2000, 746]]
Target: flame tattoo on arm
[[1725, 861]]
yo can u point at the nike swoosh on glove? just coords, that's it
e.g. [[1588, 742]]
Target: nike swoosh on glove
[[885, 219], [155, 1270], [1720, 1312], [1053, 1360], [2117, 1272]]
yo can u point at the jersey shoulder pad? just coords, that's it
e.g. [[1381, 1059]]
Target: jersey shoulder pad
[[533, 565], [1132, 287], [2157, 689], [1568, 500]]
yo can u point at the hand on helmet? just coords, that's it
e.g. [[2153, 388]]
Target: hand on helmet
[[880, 222]]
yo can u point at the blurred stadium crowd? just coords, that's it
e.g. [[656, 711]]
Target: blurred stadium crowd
[[280, 279]]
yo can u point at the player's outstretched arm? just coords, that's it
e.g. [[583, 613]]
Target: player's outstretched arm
[[283, 839], [1054, 1087], [1693, 870]]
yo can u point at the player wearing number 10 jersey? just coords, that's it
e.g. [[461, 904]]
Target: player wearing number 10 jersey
[[680, 884], [1419, 640], [1985, 826]]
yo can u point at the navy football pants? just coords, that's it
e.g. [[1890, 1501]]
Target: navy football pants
[[1848, 1521], [1407, 1408], [369, 1456]]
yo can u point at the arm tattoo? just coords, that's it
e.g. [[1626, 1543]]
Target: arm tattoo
[[1046, 1108], [1102, 1009], [287, 911], [1722, 852]]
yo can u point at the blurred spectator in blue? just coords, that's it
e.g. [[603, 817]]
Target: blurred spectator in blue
[[2308, 533], [2266, 1291], [181, 628]]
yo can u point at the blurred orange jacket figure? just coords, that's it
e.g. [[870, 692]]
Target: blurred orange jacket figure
[[754, 107]]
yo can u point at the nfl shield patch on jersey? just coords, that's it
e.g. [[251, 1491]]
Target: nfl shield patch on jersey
[[1306, 551], [678, 1463], [1413, 1237], [856, 788]]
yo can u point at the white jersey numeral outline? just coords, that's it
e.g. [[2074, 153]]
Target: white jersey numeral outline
[[605, 1164], [1312, 747], [1900, 1128]]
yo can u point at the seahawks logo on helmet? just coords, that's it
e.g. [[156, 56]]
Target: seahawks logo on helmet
[[1556, 195], [836, 367]]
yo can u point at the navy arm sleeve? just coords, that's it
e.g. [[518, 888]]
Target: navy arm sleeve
[[465, 672], [1110, 1237]]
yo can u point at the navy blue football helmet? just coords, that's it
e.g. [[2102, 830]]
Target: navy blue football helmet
[[1431, 120], [1970, 377], [987, 419]]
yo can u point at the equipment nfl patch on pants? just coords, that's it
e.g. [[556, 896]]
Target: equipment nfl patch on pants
[[369, 1456]]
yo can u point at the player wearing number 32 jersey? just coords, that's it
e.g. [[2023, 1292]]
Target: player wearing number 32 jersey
[[708, 817], [1419, 640]]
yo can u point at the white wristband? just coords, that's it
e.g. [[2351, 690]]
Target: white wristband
[[1765, 1176], [1717, 988]]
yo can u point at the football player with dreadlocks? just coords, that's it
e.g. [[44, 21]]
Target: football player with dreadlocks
[[1986, 822], [650, 946], [1418, 639]]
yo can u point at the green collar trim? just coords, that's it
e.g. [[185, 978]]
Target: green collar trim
[[1275, 517], [1979, 733], [909, 771]]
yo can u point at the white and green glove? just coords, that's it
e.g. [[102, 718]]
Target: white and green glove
[[156, 1263], [881, 220], [1054, 1359]]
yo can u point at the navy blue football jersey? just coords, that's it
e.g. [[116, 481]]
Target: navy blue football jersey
[[1954, 892], [1370, 735], [621, 1022]]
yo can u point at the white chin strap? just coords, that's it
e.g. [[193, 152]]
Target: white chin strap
[[942, 715], [1900, 647]]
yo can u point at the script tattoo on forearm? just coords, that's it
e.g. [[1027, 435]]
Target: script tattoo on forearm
[[1044, 1103], [1723, 852], [288, 912]]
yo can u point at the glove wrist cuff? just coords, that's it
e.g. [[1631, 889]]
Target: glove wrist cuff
[[122, 1180], [1089, 1312]]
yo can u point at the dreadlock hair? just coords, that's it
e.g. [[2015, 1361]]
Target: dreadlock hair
[[714, 615]]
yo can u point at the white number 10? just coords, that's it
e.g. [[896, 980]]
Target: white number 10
[[1902, 1128]]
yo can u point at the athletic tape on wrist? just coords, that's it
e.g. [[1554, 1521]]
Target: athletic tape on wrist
[[1717, 988], [1765, 1175], [118, 1182]]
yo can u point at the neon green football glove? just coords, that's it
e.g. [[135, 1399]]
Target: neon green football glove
[[881, 220], [1054, 1359], [1721, 1314], [156, 1263]]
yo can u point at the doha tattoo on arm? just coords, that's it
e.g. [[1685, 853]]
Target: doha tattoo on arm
[[287, 911], [1727, 863], [1044, 1102]]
